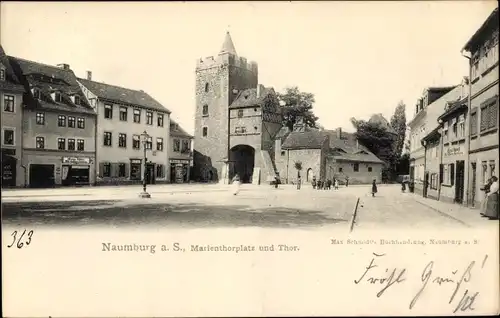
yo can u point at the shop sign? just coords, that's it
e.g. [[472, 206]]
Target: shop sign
[[453, 151], [179, 161], [139, 161], [76, 160]]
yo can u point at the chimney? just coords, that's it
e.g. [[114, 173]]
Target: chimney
[[339, 133], [299, 124], [64, 66], [89, 75]]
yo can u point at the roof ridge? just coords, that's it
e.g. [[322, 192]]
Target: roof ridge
[[112, 85], [40, 63]]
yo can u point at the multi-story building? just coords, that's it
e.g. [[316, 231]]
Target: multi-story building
[[483, 107], [132, 133], [425, 120], [181, 154], [58, 126], [11, 99]]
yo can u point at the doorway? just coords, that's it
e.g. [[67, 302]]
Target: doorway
[[472, 200], [243, 158], [150, 173], [426, 184], [309, 175], [459, 181], [42, 176]]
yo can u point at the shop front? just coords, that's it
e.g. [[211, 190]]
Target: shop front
[[179, 170], [452, 171], [9, 168], [75, 171]]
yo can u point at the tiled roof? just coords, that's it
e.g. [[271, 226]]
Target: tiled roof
[[123, 95], [176, 130], [454, 108], [352, 150], [11, 81], [249, 98], [490, 22], [49, 79], [228, 45], [282, 133], [304, 140]]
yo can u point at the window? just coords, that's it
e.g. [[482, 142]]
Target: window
[[123, 113], [106, 169], [461, 126], [149, 143], [61, 144], [177, 145], [61, 121], [81, 123], [159, 144], [77, 100], [136, 141], [369, 169], [8, 103], [107, 138], [71, 122], [206, 87], [205, 131], [40, 118], [2, 74], [71, 144], [205, 110], [137, 115], [121, 170], [475, 65], [240, 112], [159, 120], [283, 152], [445, 132], [489, 114], [8, 137], [80, 145], [108, 111], [58, 97], [434, 181], [356, 167], [149, 118], [455, 128], [40, 143], [492, 168], [122, 140], [484, 175], [159, 171], [473, 123], [185, 146], [36, 93], [340, 169], [446, 174]]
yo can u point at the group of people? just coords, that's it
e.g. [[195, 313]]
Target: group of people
[[489, 207], [325, 184]]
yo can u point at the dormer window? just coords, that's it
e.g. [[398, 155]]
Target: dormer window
[[76, 100], [36, 93], [56, 96], [2, 74]]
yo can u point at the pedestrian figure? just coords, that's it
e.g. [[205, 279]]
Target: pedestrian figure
[[374, 187], [403, 186], [346, 181], [318, 186], [329, 184], [299, 181], [486, 189], [336, 184], [276, 181], [236, 184], [491, 209], [314, 182]]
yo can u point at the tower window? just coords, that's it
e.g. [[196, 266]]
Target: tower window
[[205, 110], [205, 131], [240, 112], [206, 87]]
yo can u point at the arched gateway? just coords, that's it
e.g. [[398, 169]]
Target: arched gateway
[[242, 158]]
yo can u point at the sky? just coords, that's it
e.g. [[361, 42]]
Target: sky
[[357, 58]]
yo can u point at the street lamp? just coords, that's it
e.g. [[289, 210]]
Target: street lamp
[[144, 193]]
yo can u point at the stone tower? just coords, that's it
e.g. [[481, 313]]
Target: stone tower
[[218, 81]]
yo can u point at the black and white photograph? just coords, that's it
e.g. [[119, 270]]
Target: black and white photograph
[[188, 141]]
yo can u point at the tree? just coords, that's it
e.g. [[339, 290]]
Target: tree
[[398, 123], [297, 104], [298, 166]]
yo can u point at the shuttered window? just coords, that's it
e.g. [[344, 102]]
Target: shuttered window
[[441, 173], [452, 174]]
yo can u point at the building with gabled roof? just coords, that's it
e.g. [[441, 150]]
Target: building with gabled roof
[[11, 99], [132, 135], [58, 126]]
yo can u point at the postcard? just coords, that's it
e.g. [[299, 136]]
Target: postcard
[[201, 159]]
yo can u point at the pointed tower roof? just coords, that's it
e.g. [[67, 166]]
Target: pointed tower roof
[[228, 45]]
